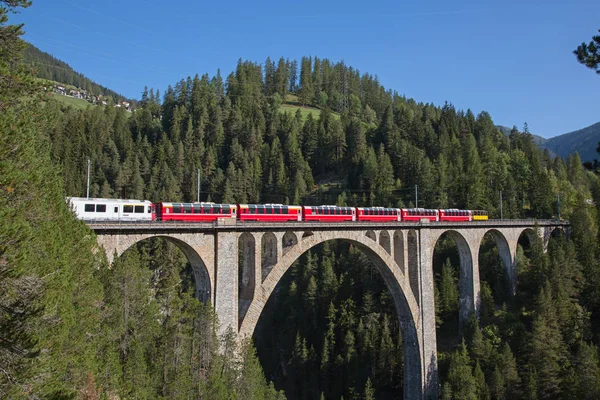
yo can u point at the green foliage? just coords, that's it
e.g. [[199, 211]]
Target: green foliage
[[463, 384], [589, 54]]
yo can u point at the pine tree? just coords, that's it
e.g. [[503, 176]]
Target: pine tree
[[448, 291], [460, 375], [306, 92], [587, 384], [369, 391]]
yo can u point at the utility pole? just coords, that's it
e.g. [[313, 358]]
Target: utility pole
[[558, 202], [88, 179], [199, 184], [416, 196], [501, 204]]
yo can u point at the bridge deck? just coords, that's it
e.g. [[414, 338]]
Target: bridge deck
[[107, 227]]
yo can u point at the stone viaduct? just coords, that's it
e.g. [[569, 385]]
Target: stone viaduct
[[238, 265]]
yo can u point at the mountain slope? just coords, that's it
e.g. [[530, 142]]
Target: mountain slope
[[584, 141], [538, 140], [48, 67]]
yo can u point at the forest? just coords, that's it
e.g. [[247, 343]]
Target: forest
[[70, 327]]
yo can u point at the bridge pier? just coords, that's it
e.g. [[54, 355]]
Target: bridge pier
[[226, 281], [427, 308]]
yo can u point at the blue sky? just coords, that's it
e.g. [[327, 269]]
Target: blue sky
[[511, 58]]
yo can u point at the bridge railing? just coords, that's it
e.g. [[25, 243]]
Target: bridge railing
[[235, 224]]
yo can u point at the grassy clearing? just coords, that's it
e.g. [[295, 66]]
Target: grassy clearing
[[303, 110], [79, 104], [291, 104]]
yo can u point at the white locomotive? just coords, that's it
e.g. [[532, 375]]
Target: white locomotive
[[90, 209]]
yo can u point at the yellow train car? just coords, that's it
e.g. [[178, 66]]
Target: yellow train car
[[480, 215]]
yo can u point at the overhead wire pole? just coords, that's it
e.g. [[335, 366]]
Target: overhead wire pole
[[199, 185], [501, 204], [416, 196], [87, 193]]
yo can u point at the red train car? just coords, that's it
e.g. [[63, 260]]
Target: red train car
[[194, 212], [417, 214], [378, 214], [269, 212], [328, 213], [455, 215]]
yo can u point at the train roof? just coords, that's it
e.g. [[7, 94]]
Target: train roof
[[378, 208], [101, 200], [269, 204], [170, 204]]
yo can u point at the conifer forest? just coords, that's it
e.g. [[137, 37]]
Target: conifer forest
[[73, 328]]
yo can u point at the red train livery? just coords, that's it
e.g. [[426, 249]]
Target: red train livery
[[378, 214], [417, 214], [194, 212], [455, 215], [269, 212], [328, 213]]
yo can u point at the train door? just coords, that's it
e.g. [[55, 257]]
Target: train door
[[114, 211]]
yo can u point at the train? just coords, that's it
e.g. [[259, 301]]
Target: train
[[95, 209]]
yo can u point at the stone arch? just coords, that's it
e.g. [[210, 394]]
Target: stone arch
[[117, 245], [556, 232], [468, 287], [505, 255], [413, 262], [288, 241], [406, 306], [246, 272], [384, 241], [526, 239], [371, 235], [399, 250], [269, 253]]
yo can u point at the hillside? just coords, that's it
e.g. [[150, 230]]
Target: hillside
[[48, 67], [540, 141], [584, 141]]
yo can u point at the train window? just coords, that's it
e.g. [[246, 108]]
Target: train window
[[261, 209], [149, 209], [139, 209], [197, 209], [205, 209], [127, 209], [116, 209], [89, 208], [187, 208], [285, 210], [101, 208], [176, 208], [226, 209], [276, 210]]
